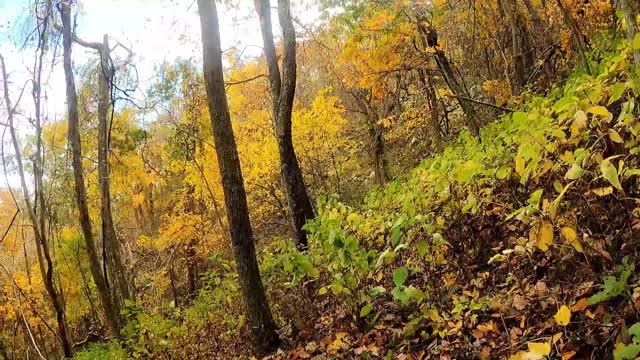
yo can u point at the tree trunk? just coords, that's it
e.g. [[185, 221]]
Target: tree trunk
[[283, 93], [263, 328], [631, 9], [381, 168], [115, 267], [78, 172], [376, 138], [576, 34], [520, 44], [429, 37]]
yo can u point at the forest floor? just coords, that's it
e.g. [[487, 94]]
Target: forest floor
[[522, 246]]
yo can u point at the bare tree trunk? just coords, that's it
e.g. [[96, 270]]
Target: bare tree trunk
[[435, 114], [78, 171], [376, 138], [261, 322], [631, 9], [38, 231], [116, 267], [283, 93]]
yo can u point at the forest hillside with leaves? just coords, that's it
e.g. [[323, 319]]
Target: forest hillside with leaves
[[388, 179]]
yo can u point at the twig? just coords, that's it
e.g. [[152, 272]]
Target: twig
[[480, 102]]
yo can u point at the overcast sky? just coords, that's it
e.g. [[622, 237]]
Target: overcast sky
[[156, 30]]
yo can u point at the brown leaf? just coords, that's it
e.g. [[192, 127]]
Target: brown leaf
[[580, 305], [519, 302]]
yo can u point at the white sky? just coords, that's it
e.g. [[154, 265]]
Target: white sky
[[156, 30]]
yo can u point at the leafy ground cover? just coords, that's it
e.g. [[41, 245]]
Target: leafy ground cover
[[520, 246]]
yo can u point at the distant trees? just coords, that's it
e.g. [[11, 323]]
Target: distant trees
[[261, 322]]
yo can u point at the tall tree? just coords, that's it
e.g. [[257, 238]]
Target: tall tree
[[283, 90], [261, 322], [112, 248], [78, 171]]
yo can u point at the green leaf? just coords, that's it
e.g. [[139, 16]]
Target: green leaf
[[400, 275], [400, 295], [616, 94], [574, 172], [626, 352], [377, 291], [366, 310], [422, 247], [610, 173], [634, 331], [636, 42], [520, 116], [534, 198], [395, 236], [615, 136]]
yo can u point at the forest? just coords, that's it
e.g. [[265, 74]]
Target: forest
[[334, 179]]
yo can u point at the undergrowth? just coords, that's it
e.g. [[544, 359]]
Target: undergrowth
[[521, 246]]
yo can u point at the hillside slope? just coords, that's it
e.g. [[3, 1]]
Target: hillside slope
[[521, 246]]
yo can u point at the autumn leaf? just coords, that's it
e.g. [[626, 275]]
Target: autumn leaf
[[563, 316], [569, 235], [615, 136], [610, 173], [544, 236]]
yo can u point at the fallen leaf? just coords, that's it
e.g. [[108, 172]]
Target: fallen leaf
[[563, 316], [545, 236], [603, 191], [519, 302], [580, 305], [538, 350]]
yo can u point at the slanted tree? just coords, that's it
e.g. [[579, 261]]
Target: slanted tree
[[282, 95], [263, 328]]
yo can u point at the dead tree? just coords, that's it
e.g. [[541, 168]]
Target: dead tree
[[116, 271]]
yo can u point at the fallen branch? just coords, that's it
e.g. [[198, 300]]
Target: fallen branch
[[481, 102]]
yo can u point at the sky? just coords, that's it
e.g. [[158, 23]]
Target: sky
[[157, 31]]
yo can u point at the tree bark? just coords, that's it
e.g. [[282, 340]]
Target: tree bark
[[631, 9], [115, 264], [78, 172], [263, 328], [283, 93]]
